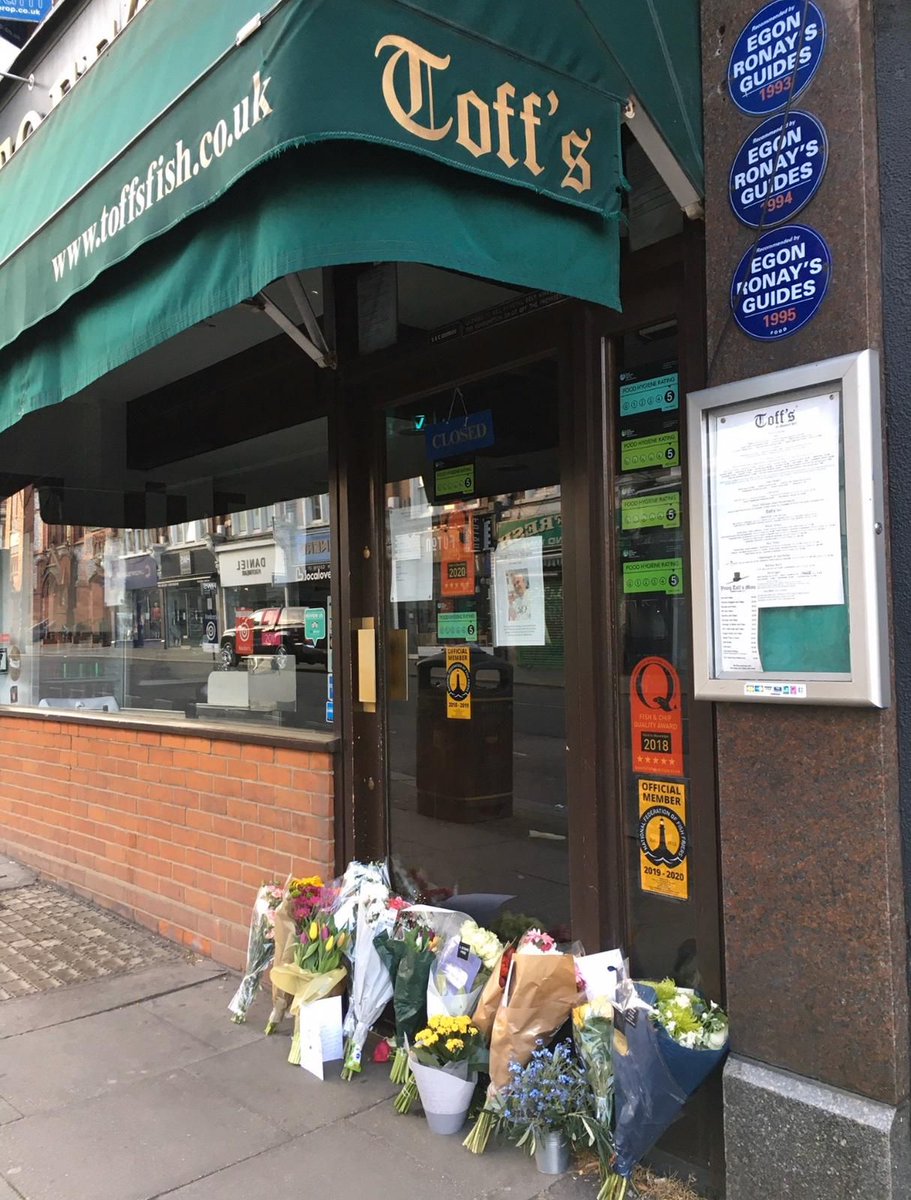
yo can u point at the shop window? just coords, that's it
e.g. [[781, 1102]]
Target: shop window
[[219, 617]]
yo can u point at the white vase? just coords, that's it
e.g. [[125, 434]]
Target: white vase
[[445, 1096]]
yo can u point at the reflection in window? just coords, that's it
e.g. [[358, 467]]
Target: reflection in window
[[220, 618]]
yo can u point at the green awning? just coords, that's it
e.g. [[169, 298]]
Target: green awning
[[211, 150]]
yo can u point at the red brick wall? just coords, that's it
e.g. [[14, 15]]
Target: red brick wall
[[171, 830]]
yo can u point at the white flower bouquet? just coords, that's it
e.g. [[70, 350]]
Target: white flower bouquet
[[667, 1040]]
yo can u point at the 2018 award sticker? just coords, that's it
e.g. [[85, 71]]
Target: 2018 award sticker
[[656, 718], [776, 56], [663, 839], [780, 282], [778, 169]]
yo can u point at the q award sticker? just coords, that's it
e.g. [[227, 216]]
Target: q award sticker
[[663, 841], [458, 683]]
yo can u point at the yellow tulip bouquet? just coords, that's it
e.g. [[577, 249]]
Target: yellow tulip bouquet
[[318, 970]]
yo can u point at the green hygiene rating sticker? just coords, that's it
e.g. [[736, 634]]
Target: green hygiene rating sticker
[[454, 481], [649, 395], [461, 625], [660, 450], [661, 511], [657, 575]]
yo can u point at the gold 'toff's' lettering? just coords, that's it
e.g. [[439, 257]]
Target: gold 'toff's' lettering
[[418, 58], [413, 109]]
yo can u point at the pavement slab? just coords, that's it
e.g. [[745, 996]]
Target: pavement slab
[[80, 1000], [500, 1171], [203, 1012], [81, 1059], [14, 875], [133, 1144], [259, 1076]]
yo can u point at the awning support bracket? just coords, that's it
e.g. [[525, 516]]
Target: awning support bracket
[[662, 159], [314, 346]]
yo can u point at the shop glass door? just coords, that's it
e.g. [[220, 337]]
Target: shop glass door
[[474, 643]]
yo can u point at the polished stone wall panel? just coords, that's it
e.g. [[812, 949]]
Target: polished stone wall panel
[[812, 879]]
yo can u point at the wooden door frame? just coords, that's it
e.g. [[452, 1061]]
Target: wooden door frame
[[578, 336]]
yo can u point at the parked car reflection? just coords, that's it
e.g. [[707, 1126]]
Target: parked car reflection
[[279, 631]]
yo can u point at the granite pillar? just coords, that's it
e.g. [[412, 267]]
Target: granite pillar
[[814, 910]]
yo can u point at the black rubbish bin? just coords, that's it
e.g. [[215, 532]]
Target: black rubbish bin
[[464, 767]]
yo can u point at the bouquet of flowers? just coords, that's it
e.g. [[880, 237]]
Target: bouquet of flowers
[[448, 1049], [305, 896], [300, 899], [371, 983], [463, 966], [361, 883], [260, 948], [450, 1042], [593, 1031], [539, 994], [549, 1095], [409, 953], [317, 970], [667, 1040]]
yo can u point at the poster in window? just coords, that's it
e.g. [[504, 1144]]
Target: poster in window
[[411, 569], [457, 566], [518, 579]]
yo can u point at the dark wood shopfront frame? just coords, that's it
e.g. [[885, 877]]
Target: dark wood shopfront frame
[[662, 283]]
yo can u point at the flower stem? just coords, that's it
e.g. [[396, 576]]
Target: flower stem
[[294, 1055], [477, 1140], [407, 1096], [399, 1071]]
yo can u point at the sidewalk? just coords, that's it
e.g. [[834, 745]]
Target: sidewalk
[[122, 1078]]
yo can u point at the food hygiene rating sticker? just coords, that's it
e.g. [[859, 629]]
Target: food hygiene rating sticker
[[663, 841]]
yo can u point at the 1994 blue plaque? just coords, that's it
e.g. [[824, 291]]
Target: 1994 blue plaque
[[778, 169]]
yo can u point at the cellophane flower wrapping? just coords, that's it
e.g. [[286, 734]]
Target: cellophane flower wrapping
[[260, 949], [654, 1074], [304, 987], [300, 899], [593, 1032], [371, 982], [409, 953], [361, 883], [459, 973]]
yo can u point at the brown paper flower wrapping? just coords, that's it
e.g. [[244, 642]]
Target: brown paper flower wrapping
[[285, 938], [489, 1002], [540, 994]]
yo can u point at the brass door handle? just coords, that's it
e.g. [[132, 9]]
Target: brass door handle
[[366, 663]]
